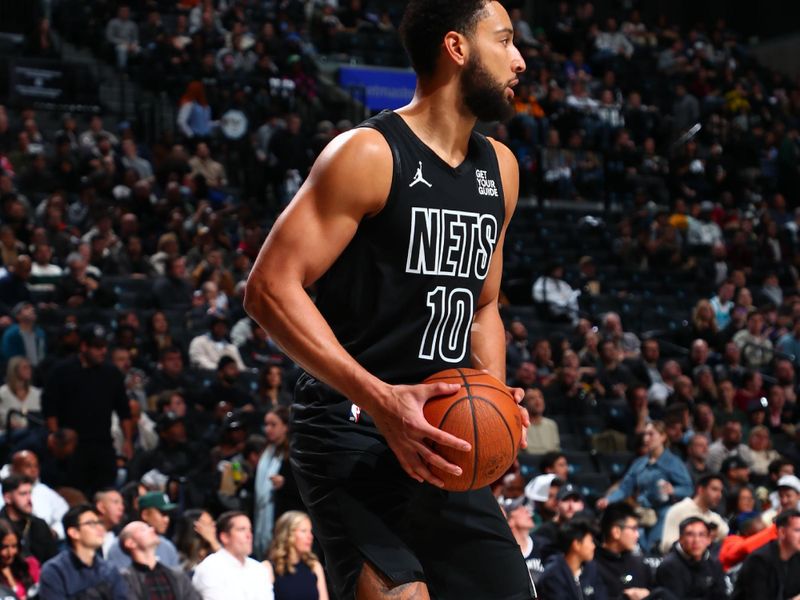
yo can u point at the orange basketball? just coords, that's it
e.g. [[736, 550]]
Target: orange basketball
[[483, 413]]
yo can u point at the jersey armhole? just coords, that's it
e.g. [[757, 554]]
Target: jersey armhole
[[395, 170], [493, 157]]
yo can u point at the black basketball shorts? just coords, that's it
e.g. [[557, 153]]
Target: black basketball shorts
[[364, 507]]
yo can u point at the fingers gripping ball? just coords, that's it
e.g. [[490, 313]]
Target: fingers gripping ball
[[483, 413]]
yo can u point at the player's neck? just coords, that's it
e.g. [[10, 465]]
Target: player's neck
[[435, 118]]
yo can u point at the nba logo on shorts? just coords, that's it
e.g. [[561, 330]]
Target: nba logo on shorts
[[355, 413]]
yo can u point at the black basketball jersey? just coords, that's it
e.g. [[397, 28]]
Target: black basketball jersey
[[402, 296]]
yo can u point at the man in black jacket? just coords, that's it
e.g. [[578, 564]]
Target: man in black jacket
[[33, 533], [146, 577], [773, 571], [619, 568], [688, 571]]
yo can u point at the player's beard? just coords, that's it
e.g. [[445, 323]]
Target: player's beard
[[484, 97]]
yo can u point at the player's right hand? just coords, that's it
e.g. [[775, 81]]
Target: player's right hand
[[400, 419]]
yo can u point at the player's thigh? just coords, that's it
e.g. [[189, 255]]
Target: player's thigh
[[466, 547], [374, 585]]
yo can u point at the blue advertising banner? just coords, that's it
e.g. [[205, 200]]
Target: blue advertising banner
[[378, 88]]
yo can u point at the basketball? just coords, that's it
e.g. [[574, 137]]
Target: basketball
[[483, 413]]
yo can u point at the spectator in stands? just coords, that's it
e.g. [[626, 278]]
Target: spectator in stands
[[81, 393], [556, 299], [109, 506], [147, 576], [569, 502], [206, 350], [13, 285], [194, 114], [556, 463], [697, 457], [47, 504], [542, 490], [688, 571], [123, 35], [722, 304], [520, 521], [729, 444], [646, 369], [18, 396], [789, 343], [195, 538], [230, 572], [34, 534], [755, 347], [741, 508], [762, 453], [19, 574], [543, 432], [168, 375], [202, 164], [225, 389], [24, 338], [130, 159], [80, 286], [614, 376], [154, 509], [295, 569], [173, 291], [707, 497], [788, 490], [656, 481], [79, 570], [573, 574], [624, 573], [773, 571]]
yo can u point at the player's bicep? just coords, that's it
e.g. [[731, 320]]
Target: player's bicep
[[323, 217]]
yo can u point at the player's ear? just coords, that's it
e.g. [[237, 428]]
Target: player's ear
[[455, 48]]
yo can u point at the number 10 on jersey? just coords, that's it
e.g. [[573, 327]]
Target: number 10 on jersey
[[447, 331]]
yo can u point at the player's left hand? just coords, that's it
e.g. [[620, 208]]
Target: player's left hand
[[519, 394]]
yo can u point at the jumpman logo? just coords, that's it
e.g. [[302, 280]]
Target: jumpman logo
[[418, 178]]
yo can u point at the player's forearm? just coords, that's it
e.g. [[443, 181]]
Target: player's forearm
[[489, 341], [294, 322]]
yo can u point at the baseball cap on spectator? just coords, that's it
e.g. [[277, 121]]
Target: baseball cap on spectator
[[569, 491], [158, 500], [509, 505], [733, 462], [757, 404], [94, 335], [538, 488], [167, 420], [789, 481]]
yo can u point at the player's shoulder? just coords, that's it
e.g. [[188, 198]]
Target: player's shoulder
[[361, 145], [505, 157]]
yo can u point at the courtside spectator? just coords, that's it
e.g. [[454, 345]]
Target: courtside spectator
[[624, 572], [573, 574], [689, 571], [520, 521], [773, 571], [230, 572], [296, 570], [79, 570], [707, 497], [146, 576], [34, 534], [154, 509], [110, 507]]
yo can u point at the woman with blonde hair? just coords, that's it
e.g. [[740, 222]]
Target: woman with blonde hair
[[297, 572], [703, 324], [17, 394]]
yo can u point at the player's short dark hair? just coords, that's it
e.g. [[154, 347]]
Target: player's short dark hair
[[13, 481], [705, 480], [573, 531], [691, 521], [225, 521], [782, 520], [549, 459], [426, 22], [615, 515], [73, 516]]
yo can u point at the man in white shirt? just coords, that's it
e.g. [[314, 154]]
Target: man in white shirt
[[230, 572], [708, 494], [47, 503], [543, 432]]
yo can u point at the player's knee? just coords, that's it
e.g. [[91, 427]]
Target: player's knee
[[374, 585]]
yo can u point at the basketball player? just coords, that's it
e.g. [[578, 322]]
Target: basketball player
[[400, 224]]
